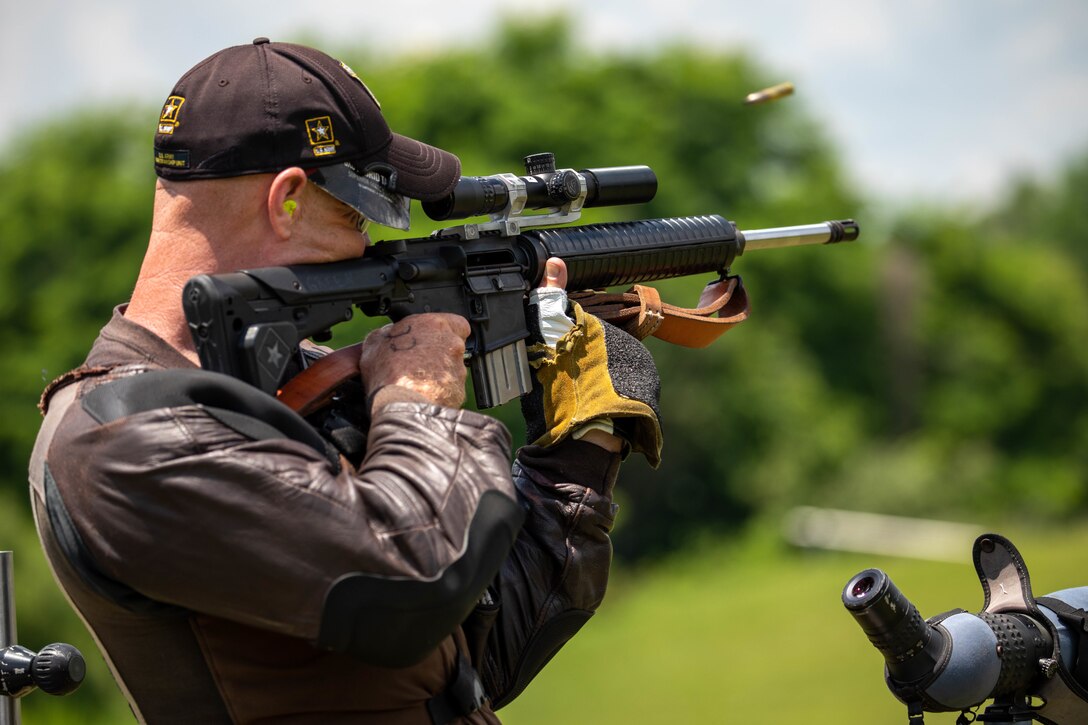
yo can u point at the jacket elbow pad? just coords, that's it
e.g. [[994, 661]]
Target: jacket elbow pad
[[395, 622]]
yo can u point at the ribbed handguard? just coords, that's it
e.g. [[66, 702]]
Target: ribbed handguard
[[622, 253]]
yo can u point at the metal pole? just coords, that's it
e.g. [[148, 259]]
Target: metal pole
[[9, 706]]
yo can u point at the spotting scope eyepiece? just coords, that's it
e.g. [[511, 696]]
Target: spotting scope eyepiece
[[911, 647]]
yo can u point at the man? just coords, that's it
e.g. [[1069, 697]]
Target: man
[[231, 565]]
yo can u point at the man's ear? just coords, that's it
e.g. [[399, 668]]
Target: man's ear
[[285, 201]]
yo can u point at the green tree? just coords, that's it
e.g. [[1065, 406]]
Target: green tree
[[73, 218], [985, 363], [1050, 211]]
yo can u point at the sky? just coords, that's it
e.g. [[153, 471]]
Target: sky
[[927, 100]]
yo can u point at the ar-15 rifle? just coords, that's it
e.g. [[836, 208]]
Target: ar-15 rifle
[[246, 324]]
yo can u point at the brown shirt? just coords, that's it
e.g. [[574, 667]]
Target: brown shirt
[[206, 555]]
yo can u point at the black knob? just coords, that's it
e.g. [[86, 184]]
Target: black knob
[[564, 187], [542, 163], [59, 669]]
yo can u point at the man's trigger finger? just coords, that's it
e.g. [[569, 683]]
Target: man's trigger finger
[[460, 326]]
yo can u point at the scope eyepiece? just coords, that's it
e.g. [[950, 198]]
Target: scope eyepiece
[[864, 588], [911, 647]]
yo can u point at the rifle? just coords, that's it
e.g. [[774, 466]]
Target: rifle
[[246, 324]]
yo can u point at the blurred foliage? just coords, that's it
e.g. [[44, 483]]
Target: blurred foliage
[[941, 368], [74, 218]]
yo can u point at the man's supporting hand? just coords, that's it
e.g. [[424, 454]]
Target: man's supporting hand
[[424, 353], [574, 392]]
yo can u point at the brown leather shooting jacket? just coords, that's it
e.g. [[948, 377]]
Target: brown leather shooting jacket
[[233, 567]]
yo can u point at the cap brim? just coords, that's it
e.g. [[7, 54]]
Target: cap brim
[[424, 172], [364, 194]]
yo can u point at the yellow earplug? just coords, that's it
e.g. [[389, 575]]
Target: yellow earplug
[[289, 206]]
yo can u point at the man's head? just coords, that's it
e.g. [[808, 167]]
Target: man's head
[[266, 107]]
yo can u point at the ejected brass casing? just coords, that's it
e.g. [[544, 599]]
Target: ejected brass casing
[[769, 94]]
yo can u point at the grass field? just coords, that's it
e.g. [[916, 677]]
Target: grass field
[[754, 632], [741, 631]]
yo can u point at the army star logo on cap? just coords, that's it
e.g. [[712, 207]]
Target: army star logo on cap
[[321, 136], [168, 119]]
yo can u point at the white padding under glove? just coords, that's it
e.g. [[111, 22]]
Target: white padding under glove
[[554, 324]]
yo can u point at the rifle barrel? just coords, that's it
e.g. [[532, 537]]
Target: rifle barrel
[[830, 232], [621, 253]]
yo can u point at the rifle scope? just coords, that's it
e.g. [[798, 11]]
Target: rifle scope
[[956, 662], [544, 188]]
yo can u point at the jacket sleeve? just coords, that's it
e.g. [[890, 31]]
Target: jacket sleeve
[[184, 508], [555, 576]]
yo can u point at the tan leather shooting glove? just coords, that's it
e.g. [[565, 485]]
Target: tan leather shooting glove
[[588, 373]]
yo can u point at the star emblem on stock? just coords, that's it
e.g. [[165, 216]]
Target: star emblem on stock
[[275, 356]]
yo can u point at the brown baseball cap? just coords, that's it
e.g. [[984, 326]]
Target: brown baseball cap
[[266, 106]]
